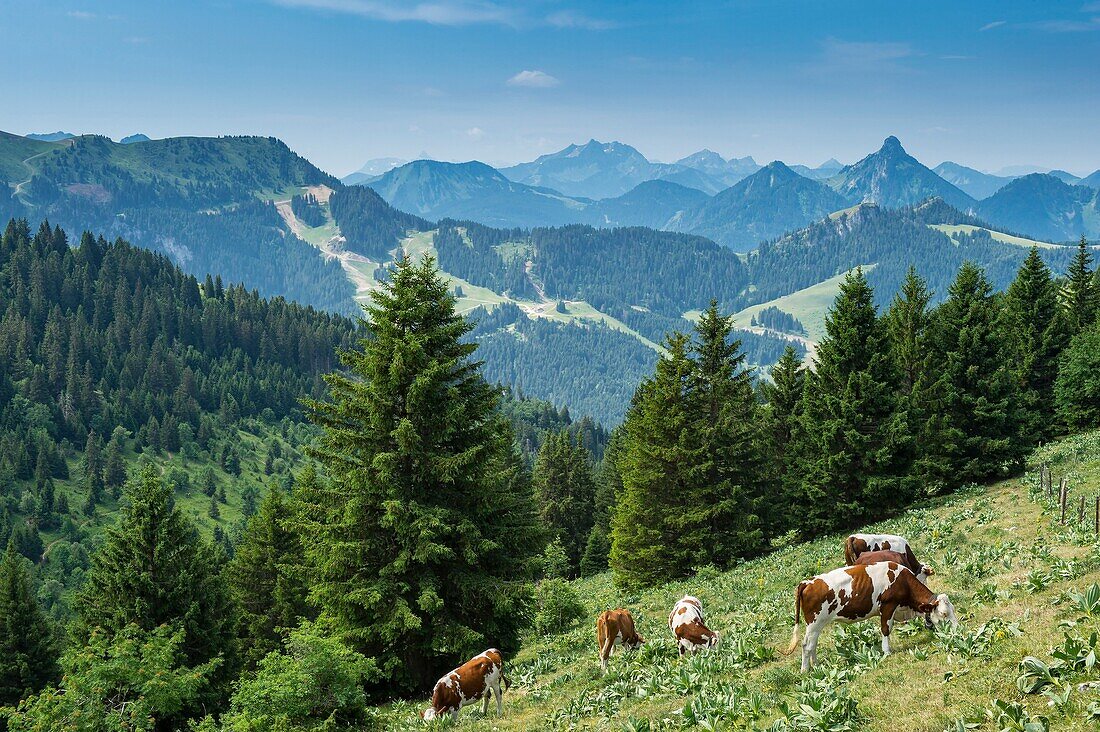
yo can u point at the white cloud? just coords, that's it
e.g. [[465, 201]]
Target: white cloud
[[475, 133], [861, 57], [574, 19], [81, 14], [436, 12], [533, 78], [991, 26]]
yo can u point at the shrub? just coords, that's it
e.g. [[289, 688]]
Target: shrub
[[558, 607], [1077, 390]]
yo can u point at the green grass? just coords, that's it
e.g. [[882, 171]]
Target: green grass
[[809, 305], [999, 551], [953, 230], [14, 150]]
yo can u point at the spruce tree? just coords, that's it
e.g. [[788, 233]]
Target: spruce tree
[[565, 492], [658, 450], [1077, 391], [1036, 334], [154, 569], [782, 395], [265, 579], [852, 435], [609, 484], [28, 651], [1080, 295], [726, 500], [424, 553], [979, 404]]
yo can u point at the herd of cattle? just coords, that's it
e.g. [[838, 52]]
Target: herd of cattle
[[882, 579]]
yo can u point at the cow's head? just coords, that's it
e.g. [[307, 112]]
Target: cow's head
[[940, 611], [714, 639], [636, 642], [428, 714]]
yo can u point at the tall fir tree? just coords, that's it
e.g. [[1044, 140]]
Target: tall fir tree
[[782, 395], [1080, 296], [565, 492], [28, 648], [154, 569], [980, 404], [659, 447], [852, 436], [425, 552], [1036, 335], [266, 580], [727, 490], [609, 484]]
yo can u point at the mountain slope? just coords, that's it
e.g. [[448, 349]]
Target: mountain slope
[[718, 168], [1092, 180], [893, 178], [1045, 207], [768, 203], [652, 204], [473, 191], [974, 183]]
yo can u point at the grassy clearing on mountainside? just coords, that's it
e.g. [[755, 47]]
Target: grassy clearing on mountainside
[[1012, 571], [809, 305], [953, 230]]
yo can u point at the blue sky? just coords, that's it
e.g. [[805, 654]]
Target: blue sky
[[983, 83]]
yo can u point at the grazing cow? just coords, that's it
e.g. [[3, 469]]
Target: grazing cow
[[922, 571], [478, 678], [857, 544], [856, 593], [687, 626], [616, 628]]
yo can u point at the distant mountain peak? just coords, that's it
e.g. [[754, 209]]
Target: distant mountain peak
[[50, 136], [131, 139], [892, 144]]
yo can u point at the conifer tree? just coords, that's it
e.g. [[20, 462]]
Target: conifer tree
[[565, 492], [658, 449], [852, 435], [154, 569], [425, 550], [1036, 335], [1081, 298], [979, 407], [783, 407], [725, 503], [609, 483], [28, 652], [265, 579], [1077, 391]]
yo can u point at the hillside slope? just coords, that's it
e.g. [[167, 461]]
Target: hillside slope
[[1010, 568]]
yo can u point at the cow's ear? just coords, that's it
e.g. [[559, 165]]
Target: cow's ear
[[926, 607], [928, 571]]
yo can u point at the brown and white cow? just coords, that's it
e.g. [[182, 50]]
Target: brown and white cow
[[478, 678], [688, 627], [850, 594], [616, 628], [857, 544], [922, 571]]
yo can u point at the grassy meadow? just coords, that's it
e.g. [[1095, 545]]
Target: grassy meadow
[[1018, 578]]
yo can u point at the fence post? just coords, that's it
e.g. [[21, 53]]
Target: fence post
[[1081, 512], [1044, 480], [1096, 527], [1063, 496]]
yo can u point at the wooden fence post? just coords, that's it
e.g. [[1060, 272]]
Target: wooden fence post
[[1081, 512], [1063, 496], [1096, 527], [1044, 480]]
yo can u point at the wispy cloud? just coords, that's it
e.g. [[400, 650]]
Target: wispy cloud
[[534, 78], [574, 19], [991, 26], [435, 12], [861, 56], [1067, 26], [475, 133], [81, 14]]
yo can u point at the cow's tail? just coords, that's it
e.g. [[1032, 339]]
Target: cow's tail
[[507, 682], [849, 551], [797, 612]]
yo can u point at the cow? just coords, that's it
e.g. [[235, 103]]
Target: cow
[[478, 678], [859, 592], [688, 627], [857, 544], [615, 628], [922, 571]]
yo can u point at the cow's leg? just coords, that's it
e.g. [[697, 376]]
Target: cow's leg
[[886, 620], [485, 700], [496, 690], [605, 653], [809, 647]]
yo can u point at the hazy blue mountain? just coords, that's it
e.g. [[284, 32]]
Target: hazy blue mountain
[[973, 182], [1092, 180], [768, 203], [372, 170], [718, 168], [1043, 206], [1017, 171], [600, 170], [476, 192], [653, 204], [826, 170], [1065, 177], [691, 178], [131, 139], [50, 136], [893, 178]]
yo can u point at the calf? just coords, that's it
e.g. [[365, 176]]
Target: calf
[[687, 626], [857, 544], [856, 593], [922, 571], [615, 628], [478, 678]]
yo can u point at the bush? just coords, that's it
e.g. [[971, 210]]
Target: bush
[[558, 607]]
